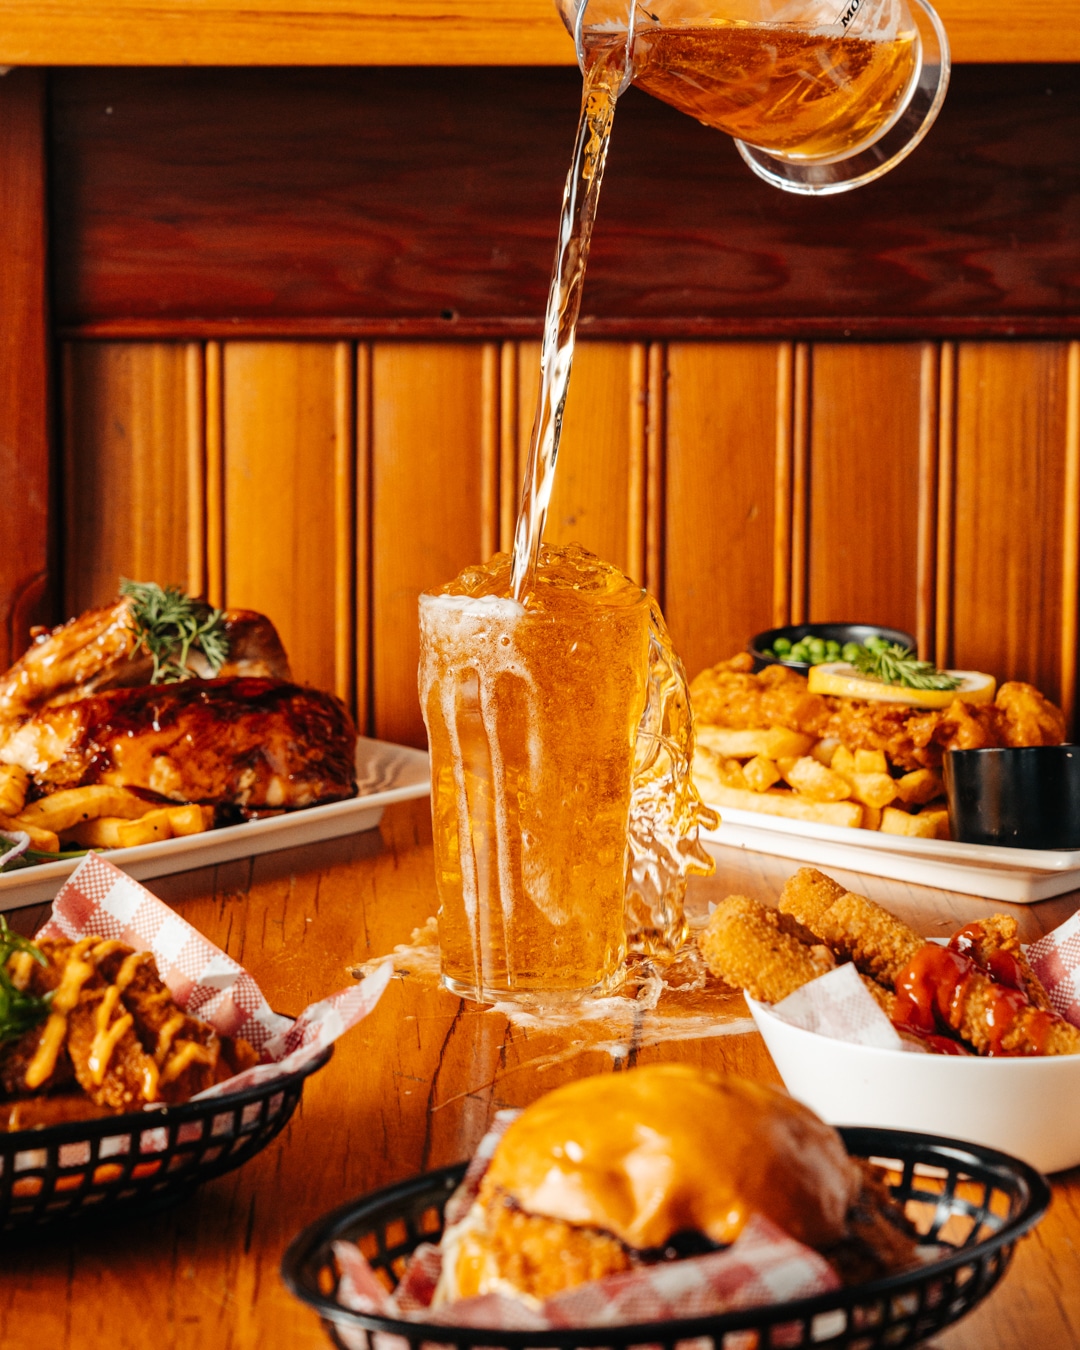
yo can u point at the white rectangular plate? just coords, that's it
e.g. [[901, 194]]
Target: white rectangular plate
[[1020, 875], [384, 774]]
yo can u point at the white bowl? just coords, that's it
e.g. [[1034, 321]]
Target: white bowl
[[1027, 1107]]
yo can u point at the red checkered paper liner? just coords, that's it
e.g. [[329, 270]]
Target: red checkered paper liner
[[1055, 958], [101, 901], [763, 1266]]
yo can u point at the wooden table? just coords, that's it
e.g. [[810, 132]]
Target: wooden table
[[413, 1088]]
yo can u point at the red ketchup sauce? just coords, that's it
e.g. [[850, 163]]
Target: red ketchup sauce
[[931, 989]]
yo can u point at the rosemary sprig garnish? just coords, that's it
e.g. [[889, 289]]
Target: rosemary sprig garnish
[[893, 664], [170, 625], [19, 1011]]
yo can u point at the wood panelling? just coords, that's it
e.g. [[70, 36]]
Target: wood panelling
[[217, 203], [130, 447], [1009, 510], [599, 487], [413, 32], [720, 510], [925, 486], [426, 437], [24, 383], [864, 484], [288, 497]]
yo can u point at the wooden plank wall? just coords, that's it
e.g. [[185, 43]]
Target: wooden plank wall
[[297, 310], [933, 486]]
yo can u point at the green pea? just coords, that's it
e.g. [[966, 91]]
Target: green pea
[[851, 651], [782, 644]]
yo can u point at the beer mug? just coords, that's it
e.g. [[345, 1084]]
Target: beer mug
[[820, 96], [564, 815]]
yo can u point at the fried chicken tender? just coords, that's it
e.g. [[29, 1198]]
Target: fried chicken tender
[[729, 695], [985, 939], [1029, 717], [853, 927], [542, 1256], [992, 1018], [745, 946]]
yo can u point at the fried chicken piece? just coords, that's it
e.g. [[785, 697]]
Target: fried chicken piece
[[111, 1066], [729, 695], [944, 988], [1029, 718], [29, 1113], [541, 1256], [850, 925], [185, 1051], [994, 945], [880, 1239], [745, 946]]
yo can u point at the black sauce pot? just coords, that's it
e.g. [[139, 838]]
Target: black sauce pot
[[1026, 797]]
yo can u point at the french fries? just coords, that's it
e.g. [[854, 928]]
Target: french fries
[[168, 822], [914, 827], [63, 810], [826, 782], [14, 780], [96, 816], [45, 841], [812, 780], [919, 787], [772, 742], [776, 802]]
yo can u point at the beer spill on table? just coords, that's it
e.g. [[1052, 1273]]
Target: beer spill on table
[[776, 86]]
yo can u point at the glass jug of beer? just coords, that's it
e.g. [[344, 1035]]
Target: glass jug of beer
[[820, 95]]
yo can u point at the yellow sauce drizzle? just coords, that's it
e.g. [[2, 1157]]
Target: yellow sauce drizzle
[[105, 1041], [191, 1052], [166, 1035], [76, 973], [19, 968]]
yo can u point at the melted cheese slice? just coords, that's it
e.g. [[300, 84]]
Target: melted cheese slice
[[665, 1149]]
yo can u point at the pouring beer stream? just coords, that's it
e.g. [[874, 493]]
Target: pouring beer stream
[[565, 818]]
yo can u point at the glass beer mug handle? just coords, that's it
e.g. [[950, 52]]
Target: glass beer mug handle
[[896, 142], [666, 813]]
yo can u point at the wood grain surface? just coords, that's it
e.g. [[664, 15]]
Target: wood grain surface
[[374, 203], [412, 32], [776, 481], [413, 1088], [25, 422]]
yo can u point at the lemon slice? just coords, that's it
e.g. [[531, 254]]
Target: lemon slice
[[837, 677]]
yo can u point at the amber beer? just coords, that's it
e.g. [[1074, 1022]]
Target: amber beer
[[801, 93], [532, 713]]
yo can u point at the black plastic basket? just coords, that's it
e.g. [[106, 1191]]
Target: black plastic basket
[[973, 1200], [111, 1164]]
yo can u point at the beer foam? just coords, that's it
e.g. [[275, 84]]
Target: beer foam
[[464, 636]]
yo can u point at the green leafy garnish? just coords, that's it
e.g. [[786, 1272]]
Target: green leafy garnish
[[170, 625], [19, 1011], [893, 664]]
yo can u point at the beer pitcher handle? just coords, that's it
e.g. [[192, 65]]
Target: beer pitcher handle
[[664, 847]]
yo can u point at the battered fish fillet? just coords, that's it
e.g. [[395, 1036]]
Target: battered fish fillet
[[745, 946], [853, 927], [983, 940]]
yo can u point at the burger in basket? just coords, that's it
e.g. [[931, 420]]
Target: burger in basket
[[616, 1173]]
